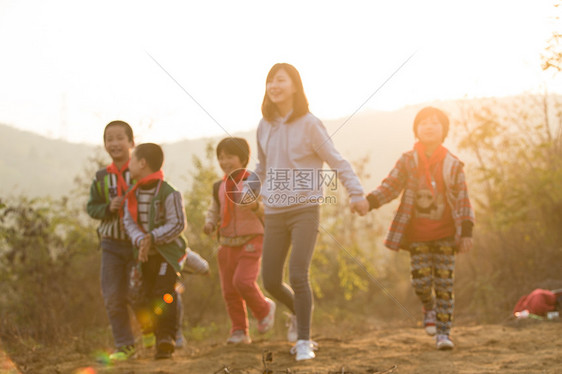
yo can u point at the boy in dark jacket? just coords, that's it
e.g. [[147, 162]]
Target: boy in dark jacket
[[154, 220]]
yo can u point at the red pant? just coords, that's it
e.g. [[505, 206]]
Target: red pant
[[239, 268]]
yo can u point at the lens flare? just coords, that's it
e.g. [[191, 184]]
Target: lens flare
[[88, 370], [168, 299]]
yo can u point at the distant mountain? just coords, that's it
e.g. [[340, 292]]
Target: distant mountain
[[34, 165]]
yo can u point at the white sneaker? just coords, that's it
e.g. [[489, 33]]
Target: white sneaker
[[180, 339], [195, 264], [443, 342], [429, 320], [267, 323], [238, 337], [304, 349], [292, 333]]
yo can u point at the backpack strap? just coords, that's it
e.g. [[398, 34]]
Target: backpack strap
[[216, 187]]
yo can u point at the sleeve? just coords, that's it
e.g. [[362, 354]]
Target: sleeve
[[97, 206], [325, 149], [463, 206], [391, 187], [213, 213], [175, 221], [131, 227], [262, 162]]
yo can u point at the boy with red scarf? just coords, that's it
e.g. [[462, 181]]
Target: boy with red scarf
[[154, 220], [434, 220], [240, 238], [106, 198]]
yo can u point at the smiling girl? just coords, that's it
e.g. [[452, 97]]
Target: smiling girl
[[292, 147]]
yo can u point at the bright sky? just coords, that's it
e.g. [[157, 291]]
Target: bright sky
[[67, 68]]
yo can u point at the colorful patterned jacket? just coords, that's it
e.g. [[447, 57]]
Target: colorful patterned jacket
[[403, 178]]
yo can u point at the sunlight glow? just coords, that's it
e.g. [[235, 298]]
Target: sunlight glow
[[68, 68]]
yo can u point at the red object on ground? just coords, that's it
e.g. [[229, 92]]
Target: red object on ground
[[538, 302]]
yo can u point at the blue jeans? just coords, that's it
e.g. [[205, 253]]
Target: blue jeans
[[116, 263]]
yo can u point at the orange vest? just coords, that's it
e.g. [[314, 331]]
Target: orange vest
[[244, 221]]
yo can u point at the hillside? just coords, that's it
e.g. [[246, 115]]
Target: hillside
[[357, 326], [34, 165]]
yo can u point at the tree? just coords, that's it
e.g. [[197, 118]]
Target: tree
[[552, 55], [516, 147], [202, 293]]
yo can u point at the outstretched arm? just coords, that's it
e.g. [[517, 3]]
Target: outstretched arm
[[325, 149], [212, 218]]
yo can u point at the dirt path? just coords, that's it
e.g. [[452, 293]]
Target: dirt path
[[522, 347]]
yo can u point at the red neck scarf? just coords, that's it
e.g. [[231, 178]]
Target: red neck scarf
[[122, 186], [425, 165], [231, 187], [131, 197]]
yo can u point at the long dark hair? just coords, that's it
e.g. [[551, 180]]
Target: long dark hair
[[300, 103]]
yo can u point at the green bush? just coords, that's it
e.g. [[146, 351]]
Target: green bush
[[50, 288], [515, 178]]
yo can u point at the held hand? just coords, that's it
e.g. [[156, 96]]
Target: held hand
[[208, 228], [465, 245], [360, 207], [251, 206], [145, 245], [116, 204], [143, 253]]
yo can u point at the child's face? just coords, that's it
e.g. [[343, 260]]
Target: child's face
[[135, 167], [430, 131], [117, 144], [229, 163], [281, 89]]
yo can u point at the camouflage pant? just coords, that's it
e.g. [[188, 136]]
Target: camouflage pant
[[432, 268]]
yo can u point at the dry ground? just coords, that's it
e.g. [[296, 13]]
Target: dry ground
[[515, 347]]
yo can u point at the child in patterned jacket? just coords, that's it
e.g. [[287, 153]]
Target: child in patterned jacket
[[434, 220]]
